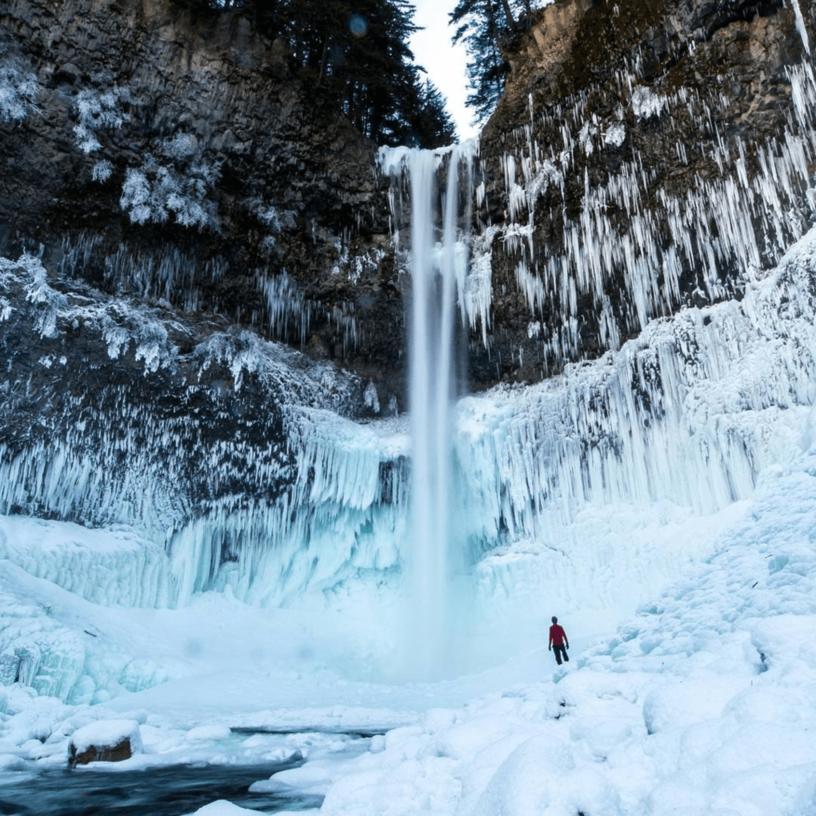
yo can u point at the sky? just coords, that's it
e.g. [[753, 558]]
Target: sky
[[446, 64]]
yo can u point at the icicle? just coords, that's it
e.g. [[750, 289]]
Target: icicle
[[800, 26]]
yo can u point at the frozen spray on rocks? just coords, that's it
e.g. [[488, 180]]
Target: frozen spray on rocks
[[438, 263]]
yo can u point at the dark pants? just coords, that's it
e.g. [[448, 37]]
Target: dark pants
[[560, 651]]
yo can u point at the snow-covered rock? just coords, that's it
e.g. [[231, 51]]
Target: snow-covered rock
[[105, 741]]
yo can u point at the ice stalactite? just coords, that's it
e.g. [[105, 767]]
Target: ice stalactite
[[343, 516], [638, 248], [800, 25], [259, 484], [688, 413]]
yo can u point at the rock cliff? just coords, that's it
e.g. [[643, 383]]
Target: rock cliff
[[646, 155], [174, 158]]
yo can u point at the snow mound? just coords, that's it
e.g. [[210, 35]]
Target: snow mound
[[222, 808], [701, 704], [110, 567]]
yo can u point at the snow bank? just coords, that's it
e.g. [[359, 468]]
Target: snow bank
[[701, 704], [62, 646], [222, 808], [110, 567]]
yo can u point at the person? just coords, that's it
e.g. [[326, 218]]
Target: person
[[558, 641]]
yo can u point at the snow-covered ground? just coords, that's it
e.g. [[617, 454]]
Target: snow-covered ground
[[702, 703]]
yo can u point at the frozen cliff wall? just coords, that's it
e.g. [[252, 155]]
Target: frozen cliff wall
[[228, 451], [627, 212], [646, 155], [167, 155]]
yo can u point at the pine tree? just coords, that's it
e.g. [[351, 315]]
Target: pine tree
[[356, 56], [483, 25], [434, 125]]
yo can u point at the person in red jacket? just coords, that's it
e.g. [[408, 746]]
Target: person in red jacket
[[559, 641]]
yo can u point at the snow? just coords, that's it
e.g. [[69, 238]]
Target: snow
[[109, 567], [688, 710], [97, 113], [646, 104], [222, 808], [573, 490], [615, 135], [153, 193], [180, 146], [101, 171], [107, 734], [19, 89], [702, 700]]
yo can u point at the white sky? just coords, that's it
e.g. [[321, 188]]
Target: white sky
[[446, 64]]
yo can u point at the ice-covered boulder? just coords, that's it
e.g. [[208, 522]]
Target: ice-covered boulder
[[105, 741]]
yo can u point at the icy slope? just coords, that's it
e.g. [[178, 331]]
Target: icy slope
[[228, 451], [703, 703], [109, 567]]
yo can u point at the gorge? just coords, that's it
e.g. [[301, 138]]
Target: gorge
[[304, 439]]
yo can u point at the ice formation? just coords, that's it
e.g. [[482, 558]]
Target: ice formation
[[96, 113], [18, 89], [337, 472], [739, 220], [155, 193], [686, 417]]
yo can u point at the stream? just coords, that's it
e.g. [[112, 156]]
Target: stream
[[163, 791]]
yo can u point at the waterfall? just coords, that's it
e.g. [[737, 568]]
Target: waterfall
[[438, 261]]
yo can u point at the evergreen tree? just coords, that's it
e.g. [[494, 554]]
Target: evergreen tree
[[483, 26], [434, 125], [355, 53]]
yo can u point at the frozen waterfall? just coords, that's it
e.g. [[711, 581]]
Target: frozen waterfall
[[438, 263]]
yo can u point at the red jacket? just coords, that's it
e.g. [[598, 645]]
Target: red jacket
[[558, 637]]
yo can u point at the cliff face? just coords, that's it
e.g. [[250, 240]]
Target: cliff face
[[646, 155], [174, 158], [183, 200]]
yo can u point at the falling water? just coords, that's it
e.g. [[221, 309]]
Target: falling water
[[438, 264]]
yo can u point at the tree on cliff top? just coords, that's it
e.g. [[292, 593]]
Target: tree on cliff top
[[355, 54], [483, 26], [433, 120]]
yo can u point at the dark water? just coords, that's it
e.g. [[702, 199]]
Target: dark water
[[168, 791], [358, 732]]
